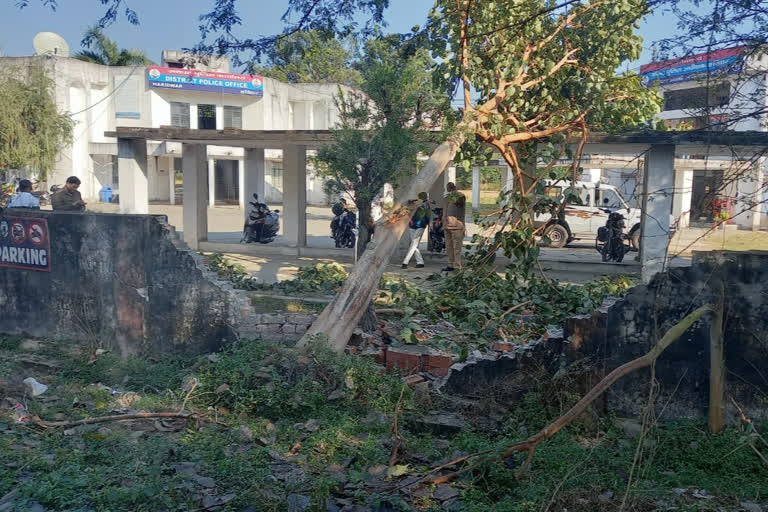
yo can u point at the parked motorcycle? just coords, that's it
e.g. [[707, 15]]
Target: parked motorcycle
[[611, 242], [262, 225], [343, 227], [436, 233]]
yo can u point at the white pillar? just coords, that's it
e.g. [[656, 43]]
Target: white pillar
[[656, 201], [508, 182], [195, 211], [681, 202], [171, 181], [132, 173], [211, 182], [475, 188], [241, 185], [594, 175], [295, 195], [254, 176]]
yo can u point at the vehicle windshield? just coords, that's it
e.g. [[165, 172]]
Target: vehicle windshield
[[608, 198]]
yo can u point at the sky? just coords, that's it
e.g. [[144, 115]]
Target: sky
[[173, 24]]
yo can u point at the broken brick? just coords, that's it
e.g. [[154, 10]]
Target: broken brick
[[403, 359], [501, 346], [413, 380], [435, 361]]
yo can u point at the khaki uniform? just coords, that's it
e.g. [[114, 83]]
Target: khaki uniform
[[453, 224], [67, 201]]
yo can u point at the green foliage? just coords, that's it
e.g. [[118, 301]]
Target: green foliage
[[99, 49], [31, 129], [311, 56]]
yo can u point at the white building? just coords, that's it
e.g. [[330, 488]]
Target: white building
[[195, 93], [724, 90]]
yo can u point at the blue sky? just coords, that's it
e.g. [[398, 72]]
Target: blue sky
[[172, 24]]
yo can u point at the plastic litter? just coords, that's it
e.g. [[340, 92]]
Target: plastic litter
[[20, 413], [35, 387]]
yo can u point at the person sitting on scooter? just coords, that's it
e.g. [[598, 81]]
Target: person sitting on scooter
[[338, 209]]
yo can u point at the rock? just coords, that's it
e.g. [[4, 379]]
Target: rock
[[104, 431], [336, 395], [30, 344], [205, 481], [440, 424], [375, 418], [211, 502], [445, 492], [244, 434], [312, 425], [631, 428], [751, 507], [694, 445], [298, 503], [605, 497], [224, 388], [379, 471], [34, 387]]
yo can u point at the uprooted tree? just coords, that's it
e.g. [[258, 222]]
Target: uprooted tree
[[544, 76]]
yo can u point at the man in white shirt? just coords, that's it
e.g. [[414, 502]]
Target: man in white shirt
[[24, 199]]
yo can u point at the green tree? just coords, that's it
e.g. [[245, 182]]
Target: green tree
[[382, 127], [544, 76], [99, 49], [310, 56], [31, 129]]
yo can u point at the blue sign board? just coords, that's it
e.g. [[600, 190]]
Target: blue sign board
[[206, 81]]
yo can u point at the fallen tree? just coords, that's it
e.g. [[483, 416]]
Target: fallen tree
[[539, 85]]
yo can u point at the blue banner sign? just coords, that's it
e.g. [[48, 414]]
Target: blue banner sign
[[727, 61], [24, 243], [207, 81]]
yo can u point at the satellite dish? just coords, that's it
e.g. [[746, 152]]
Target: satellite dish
[[50, 43]]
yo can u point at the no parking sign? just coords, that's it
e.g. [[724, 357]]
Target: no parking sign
[[24, 244]]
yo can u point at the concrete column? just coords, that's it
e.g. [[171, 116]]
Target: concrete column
[[195, 165], [132, 173], [295, 195], [749, 191], [211, 182], [475, 188], [508, 180], [253, 176], [171, 182], [681, 202], [656, 204], [241, 184]]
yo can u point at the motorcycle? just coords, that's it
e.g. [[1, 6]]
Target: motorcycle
[[262, 225], [611, 242], [343, 228], [436, 233]]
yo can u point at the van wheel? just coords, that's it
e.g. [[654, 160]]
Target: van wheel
[[635, 238], [558, 236]]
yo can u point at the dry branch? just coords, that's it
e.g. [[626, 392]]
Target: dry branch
[[530, 444], [118, 417]]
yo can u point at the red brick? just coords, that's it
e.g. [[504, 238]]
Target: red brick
[[405, 360], [500, 346], [413, 380], [439, 372], [437, 360]]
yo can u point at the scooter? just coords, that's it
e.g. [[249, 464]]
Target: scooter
[[436, 233], [611, 242], [344, 229], [262, 225]]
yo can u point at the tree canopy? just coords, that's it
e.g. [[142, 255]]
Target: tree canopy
[[31, 129], [310, 56], [99, 49]]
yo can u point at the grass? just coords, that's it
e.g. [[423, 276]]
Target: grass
[[487, 200], [274, 391]]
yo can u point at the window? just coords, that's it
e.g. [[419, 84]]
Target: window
[[175, 64], [577, 196], [277, 176], [233, 117], [206, 117], [608, 199], [698, 97], [179, 114]]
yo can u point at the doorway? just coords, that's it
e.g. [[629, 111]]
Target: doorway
[[706, 187], [227, 184]]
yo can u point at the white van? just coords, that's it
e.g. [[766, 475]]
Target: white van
[[584, 216]]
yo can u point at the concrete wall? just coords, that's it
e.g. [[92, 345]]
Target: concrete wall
[[120, 281]]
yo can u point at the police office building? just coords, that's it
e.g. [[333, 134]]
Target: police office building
[[183, 92]]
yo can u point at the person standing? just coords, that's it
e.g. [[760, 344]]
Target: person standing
[[419, 221], [454, 214], [68, 199], [24, 199]]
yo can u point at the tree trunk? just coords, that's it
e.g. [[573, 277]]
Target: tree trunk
[[342, 315], [717, 368], [364, 236]]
